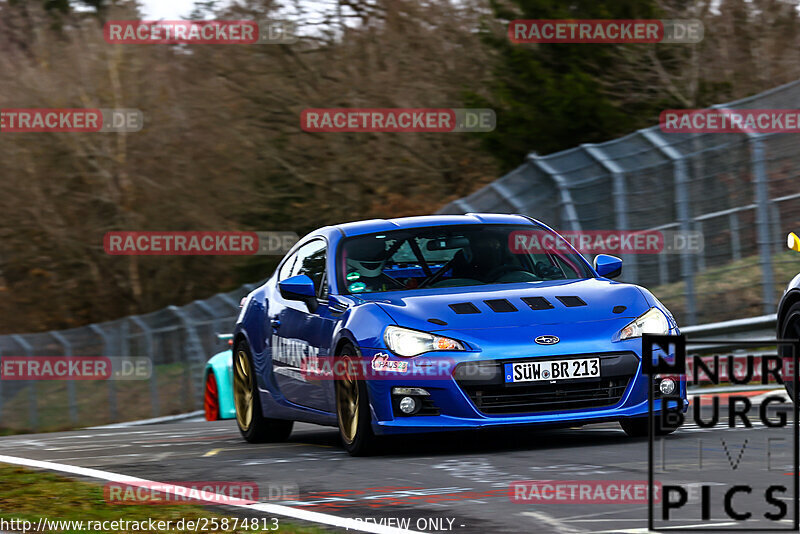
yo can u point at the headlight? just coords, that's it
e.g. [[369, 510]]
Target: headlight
[[405, 342], [653, 321]]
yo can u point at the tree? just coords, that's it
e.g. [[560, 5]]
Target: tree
[[550, 97]]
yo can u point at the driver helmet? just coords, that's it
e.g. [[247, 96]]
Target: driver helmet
[[368, 257]]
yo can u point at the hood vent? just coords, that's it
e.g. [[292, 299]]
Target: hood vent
[[464, 308], [571, 302], [500, 305], [537, 303], [438, 321], [619, 309]]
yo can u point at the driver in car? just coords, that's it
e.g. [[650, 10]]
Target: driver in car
[[365, 268], [480, 261]]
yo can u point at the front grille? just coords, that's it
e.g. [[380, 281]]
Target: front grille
[[501, 399], [484, 384], [428, 407]]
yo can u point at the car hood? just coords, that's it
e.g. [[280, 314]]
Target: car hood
[[597, 300]]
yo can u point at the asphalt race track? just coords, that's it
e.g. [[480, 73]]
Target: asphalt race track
[[446, 482]]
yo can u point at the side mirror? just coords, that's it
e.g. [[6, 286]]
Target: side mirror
[[794, 242], [608, 266], [301, 288]]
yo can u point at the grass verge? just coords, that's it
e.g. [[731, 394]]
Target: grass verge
[[32, 495], [730, 291]]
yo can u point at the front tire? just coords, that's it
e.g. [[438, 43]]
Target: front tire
[[352, 406], [255, 428], [638, 427]]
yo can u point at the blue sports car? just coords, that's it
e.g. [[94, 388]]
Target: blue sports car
[[448, 322]]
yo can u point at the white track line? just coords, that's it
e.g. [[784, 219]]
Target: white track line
[[214, 498], [554, 523], [153, 421]]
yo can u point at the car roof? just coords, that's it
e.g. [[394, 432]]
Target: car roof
[[386, 225]]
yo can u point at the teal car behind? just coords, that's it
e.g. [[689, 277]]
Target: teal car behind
[[218, 380]]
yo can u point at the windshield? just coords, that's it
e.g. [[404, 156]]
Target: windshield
[[454, 256]]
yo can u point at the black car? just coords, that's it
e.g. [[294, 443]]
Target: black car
[[789, 314]]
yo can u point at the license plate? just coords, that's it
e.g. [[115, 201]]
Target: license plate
[[546, 371]]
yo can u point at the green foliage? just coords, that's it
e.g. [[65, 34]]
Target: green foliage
[[550, 97]]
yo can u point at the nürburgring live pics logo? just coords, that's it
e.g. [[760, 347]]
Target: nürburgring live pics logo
[[728, 467]]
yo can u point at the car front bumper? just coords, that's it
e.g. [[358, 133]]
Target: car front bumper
[[458, 404]]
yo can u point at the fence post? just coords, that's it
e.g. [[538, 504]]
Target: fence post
[[186, 375], [229, 301], [663, 269], [194, 350], [701, 256], [736, 241], [567, 204], [682, 200], [681, 177], [233, 304], [112, 386], [148, 343], [620, 203], [463, 205], [775, 216], [507, 196], [71, 397], [762, 221], [33, 412], [210, 311]]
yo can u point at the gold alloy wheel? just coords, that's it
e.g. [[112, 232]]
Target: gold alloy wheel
[[243, 390], [347, 401]]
